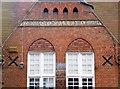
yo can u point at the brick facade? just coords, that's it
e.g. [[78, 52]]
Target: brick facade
[[61, 39]]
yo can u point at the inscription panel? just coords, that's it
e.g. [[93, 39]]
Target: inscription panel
[[43, 23]]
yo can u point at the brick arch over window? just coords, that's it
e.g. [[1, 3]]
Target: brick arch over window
[[80, 45], [41, 45]]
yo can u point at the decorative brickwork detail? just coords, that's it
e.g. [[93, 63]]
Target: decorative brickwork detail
[[37, 12], [41, 45], [41, 23], [79, 45]]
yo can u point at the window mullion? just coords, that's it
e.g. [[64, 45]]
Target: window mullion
[[93, 64], [42, 62], [54, 66], [66, 64], [80, 69]]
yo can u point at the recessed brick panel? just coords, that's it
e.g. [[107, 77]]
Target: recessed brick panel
[[79, 45], [41, 45]]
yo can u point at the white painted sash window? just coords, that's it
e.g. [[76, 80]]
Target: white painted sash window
[[80, 70], [41, 70]]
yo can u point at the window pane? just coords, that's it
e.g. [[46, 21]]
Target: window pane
[[73, 63], [76, 87], [84, 79], [73, 83], [90, 87], [90, 79], [31, 83], [31, 87], [48, 82], [87, 63], [48, 63], [34, 82], [37, 79], [70, 87], [37, 87], [34, 63], [70, 81], [31, 79], [76, 81], [84, 87], [87, 82]]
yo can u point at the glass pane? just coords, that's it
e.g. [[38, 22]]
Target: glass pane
[[84, 87], [31, 79], [90, 87], [84, 83], [31, 87], [87, 63], [37, 87], [48, 82], [36, 84], [48, 63], [45, 81], [51, 88], [34, 63], [76, 87], [70, 87], [31, 83], [51, 80], [89, 83], [70, 81], [76, 81], [90, 79], [84, 79], [73, 63], [37, 79]]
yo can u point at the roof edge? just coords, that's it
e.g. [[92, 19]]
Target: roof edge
[[87, 4]]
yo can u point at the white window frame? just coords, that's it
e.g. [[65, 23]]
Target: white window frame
[[80, 75], [93, 81], [92, 63], [72, 77], [48, 77], [67, 64], [53, 65], [40, 75]]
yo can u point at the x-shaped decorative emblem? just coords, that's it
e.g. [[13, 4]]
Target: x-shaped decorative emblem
[[13, 60], [107, 60]]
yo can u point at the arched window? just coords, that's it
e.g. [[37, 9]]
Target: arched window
[[41, 65], [46, 10], [75, 11], [55, 11], [65, 11], [80, 65]]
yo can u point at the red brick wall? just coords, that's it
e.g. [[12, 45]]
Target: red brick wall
[[41, 45], [60, 38], [79, 45], [83, 11]]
